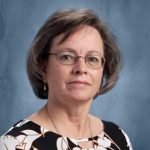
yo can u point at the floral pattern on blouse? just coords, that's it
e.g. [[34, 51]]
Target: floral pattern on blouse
[[27, 135]]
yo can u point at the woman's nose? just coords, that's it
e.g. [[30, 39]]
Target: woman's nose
[[80, 66]]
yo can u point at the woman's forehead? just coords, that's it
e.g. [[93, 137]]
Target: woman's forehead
[[86, 37]]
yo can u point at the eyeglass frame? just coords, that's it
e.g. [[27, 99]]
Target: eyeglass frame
[[76, 58]]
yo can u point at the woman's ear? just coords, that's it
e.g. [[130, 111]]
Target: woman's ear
[[44, 72]]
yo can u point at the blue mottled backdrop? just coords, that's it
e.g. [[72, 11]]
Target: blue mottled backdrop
[[128, 104]]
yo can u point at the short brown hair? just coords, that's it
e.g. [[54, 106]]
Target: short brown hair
[[67, 21]]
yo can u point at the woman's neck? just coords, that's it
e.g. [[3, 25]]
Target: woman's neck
[[75, 126], [72, 119]]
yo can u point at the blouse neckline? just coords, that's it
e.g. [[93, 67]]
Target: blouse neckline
[[101, 135]]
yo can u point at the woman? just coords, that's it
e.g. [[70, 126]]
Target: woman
[[72, 60]]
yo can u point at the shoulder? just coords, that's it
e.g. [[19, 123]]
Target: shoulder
[[117, 134], [19, 133], [22, 127]]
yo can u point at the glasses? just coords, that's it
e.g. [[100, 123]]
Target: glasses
[[93, 61]]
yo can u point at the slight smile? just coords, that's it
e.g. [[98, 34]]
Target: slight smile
[[79, 82]]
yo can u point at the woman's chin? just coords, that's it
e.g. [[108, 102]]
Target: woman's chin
[[80, 97]]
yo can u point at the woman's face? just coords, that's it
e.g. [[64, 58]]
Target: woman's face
[[76, 82]]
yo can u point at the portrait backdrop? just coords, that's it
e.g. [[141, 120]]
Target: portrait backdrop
[[127, 104]]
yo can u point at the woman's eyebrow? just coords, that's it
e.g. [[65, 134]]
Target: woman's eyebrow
[[67, 50], [74, 51], [94, 51]]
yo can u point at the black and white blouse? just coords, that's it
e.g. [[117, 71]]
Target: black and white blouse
[[27, 135]]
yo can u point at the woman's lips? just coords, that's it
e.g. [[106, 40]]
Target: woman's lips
[[78, 82]]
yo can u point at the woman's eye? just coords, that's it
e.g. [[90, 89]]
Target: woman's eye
[[93, 59], [66, 57]]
